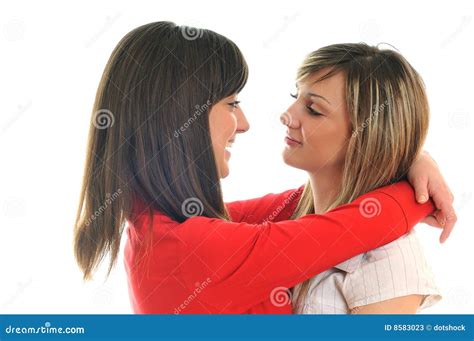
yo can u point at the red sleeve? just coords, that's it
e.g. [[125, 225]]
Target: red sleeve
[[271, 207], [246, 262]]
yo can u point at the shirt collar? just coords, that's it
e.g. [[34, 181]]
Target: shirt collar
[[351, 264]]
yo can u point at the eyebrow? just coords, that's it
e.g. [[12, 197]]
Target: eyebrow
[[310, 94]]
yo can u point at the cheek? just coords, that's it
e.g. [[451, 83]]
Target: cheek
[[228, 127], [328, 144], [232, 124], [222, 125]]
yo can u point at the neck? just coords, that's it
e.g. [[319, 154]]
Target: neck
[[325, 185]]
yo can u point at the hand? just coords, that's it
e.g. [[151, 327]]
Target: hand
[[425, 176]]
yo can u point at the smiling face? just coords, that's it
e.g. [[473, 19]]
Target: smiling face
[[226, 119], [318, 124]]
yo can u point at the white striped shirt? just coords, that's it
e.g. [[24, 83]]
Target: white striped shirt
[[393, 270]]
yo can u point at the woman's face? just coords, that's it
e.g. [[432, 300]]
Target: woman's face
[[318, 124], [226, 119]]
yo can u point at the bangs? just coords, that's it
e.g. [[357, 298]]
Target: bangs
[[227, 67], [235, 69]]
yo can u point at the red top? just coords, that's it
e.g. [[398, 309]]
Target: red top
[[206, 265]]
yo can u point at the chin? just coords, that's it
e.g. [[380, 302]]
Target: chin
[[288, 158], [224, 172], [292, 161]]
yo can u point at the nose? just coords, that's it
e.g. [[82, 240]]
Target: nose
[[289, 118], [242, 123]]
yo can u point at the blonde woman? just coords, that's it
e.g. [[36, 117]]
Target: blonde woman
[[358, 122]]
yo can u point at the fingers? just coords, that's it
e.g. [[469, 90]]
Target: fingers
[[448, 228], [445, 214], [445, 221], [442, 195], [433, 185], [445, 208], [432, 221], [420, 184], [435, 220]]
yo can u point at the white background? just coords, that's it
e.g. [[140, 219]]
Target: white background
[[52, 57]]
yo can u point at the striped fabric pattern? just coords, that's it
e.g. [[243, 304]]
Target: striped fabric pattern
[[393, 270]]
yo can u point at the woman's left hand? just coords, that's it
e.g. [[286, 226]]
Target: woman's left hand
[[425, 176]]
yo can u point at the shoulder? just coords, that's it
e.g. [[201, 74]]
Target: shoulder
[[394, 270]]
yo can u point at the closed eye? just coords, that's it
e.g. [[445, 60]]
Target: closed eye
[[308, 107], [313, 112]]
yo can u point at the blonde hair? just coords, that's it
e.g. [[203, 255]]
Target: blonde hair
[[389, 114]]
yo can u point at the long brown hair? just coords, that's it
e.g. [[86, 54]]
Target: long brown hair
[[149, 135], [389, 114]]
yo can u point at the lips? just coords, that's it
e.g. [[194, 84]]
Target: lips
[[228, 146], [230, 143], [291, 140]]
